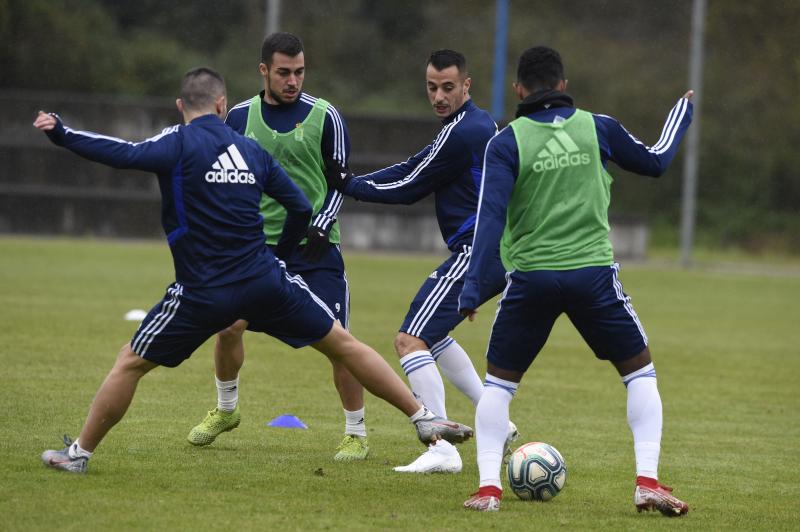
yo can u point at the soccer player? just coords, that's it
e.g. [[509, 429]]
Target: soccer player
[[299, 131], [449, 168], [211, 180], [544, 200]]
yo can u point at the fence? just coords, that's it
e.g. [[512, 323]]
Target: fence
[[46, 190]]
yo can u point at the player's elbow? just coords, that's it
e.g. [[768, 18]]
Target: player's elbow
[[410, 197], [655, 169], [659, 164], [656, 173], [408, 200], [388, 199]]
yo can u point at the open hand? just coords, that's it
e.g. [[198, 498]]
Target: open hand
[[45, 121]]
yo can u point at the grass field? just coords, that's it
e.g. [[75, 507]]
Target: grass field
[[726, 347]]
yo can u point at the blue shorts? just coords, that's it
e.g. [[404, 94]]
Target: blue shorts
[[276, 303], [591, 297], [326, 278], [434, 310]]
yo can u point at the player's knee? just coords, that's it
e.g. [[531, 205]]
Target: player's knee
[[399, 345], [130, 362], [405, 344], [346, 340], [337, 344], [635, 363], [125, 352], [234, 332]]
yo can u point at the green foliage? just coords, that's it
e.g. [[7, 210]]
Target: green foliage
[[724, 346], [58, 46], [81, 46], [626, 58], [749, 186]]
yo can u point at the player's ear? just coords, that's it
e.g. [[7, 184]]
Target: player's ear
[[467, 84], [518, 90], [179, 105], [221, 106], [263, 69]]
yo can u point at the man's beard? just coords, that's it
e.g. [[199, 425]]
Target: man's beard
[[279, 98]]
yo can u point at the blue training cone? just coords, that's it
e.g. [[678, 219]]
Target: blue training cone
[[287, 421]]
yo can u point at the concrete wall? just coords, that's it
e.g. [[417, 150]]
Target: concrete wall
[[47, 190]]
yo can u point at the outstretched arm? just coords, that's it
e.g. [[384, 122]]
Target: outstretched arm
[[632, 154], [408, 182], [156, 154]]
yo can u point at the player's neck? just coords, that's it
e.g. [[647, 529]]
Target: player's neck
[[188, 116]]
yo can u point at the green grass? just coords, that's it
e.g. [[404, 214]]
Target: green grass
[[726, 352]]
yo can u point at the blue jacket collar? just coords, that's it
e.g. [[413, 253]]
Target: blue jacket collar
[[207, 119], [468, 106]]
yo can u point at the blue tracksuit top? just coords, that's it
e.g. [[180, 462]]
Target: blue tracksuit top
[[449, 167], [501, 168], [211, 180], [284, 118]]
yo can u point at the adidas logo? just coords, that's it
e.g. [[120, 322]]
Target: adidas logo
[[560, 152], [434, 275], [230, 168]]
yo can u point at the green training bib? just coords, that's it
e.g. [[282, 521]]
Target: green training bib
[[299, 154], [557, 217]]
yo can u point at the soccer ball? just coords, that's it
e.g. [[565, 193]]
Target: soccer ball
[[536, 471]]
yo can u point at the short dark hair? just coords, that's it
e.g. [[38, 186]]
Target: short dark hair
[[441, 59], [281, 42], [201, 87], [540, 68]]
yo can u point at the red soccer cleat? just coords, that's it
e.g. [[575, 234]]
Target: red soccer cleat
[[486, 499], [650, 495]]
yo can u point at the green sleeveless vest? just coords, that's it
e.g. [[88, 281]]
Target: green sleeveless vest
[[557, 217], [299, 154]]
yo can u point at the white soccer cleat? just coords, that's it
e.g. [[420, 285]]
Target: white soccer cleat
[[439, 458], [650, 494], [486, 499]]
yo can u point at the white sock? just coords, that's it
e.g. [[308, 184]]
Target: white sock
[[422, 413], [645, 419], [227, 394], [76, 451], [457, 367], [354, 422], [426, 383], [491, 428]]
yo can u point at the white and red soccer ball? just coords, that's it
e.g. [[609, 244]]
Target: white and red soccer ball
[[536, 471]]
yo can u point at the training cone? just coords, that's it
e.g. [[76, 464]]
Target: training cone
[[136, 314], [287, 421]]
